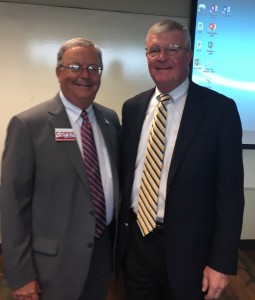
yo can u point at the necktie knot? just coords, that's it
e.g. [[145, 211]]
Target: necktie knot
[[84, 114], [85, 118], [164, 97]]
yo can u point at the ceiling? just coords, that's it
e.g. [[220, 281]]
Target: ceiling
[[172, 8]]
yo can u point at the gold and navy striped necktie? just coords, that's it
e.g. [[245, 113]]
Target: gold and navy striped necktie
[[149, 188]]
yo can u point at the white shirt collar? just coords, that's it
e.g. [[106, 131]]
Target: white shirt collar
[[177, 92], [73, 111]]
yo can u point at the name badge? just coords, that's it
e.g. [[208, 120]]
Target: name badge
[[64, 135]]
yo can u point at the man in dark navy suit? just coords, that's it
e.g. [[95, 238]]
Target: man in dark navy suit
[[194, 245]]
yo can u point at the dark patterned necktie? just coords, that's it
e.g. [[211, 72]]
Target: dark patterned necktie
[[93, 170], [149, 189]]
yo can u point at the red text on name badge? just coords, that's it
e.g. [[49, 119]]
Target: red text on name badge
[[64, 135]]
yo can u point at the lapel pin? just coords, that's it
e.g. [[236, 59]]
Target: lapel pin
[[107, 122]]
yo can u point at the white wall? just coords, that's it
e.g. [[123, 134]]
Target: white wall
[[248, 231], [30, 38], [249, 192]]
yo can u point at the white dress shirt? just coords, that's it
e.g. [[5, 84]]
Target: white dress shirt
[[174, 115], [74, 115]]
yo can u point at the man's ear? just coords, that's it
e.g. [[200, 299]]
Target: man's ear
[[58, 72]]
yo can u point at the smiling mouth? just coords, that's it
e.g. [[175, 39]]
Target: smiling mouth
[[84, 84], [164, 69]]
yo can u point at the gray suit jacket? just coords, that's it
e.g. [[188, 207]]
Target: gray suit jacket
[[48, 222]]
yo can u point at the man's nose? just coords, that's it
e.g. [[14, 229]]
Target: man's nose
[[84, 72], [162, 55]]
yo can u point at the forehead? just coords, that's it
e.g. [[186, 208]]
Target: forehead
[[81, 53], [164, 38]]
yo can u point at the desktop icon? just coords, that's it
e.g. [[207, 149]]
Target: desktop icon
[[214, 8], [209, 63], [226, 10], [211, 44], [199, 44], [197, 62], [201, 7], [212, 26], [200, 25]]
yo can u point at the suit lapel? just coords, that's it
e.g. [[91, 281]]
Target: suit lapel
[[105, 125], [135, 119], [59, 119], [193, 114]]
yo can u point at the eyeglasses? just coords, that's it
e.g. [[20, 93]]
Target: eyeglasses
[[92, 70], [170, 50]]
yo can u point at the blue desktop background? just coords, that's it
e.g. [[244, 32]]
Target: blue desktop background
[[224, 55]]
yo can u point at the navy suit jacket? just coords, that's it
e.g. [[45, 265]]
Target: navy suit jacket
[[204, 199]]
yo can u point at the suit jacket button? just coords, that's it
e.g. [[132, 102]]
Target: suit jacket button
[[126, 224], [92, 213], [90, 245]]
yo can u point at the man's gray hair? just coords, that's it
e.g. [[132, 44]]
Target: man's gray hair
[[171, 25], [77, 42]]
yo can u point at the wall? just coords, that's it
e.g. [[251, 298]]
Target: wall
[[30, 38], [249, 192]]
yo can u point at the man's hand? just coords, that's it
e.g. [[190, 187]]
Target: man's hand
[[214, 283], [29, 291]]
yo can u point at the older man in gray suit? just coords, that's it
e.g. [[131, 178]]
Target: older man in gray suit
[[52, 247]]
